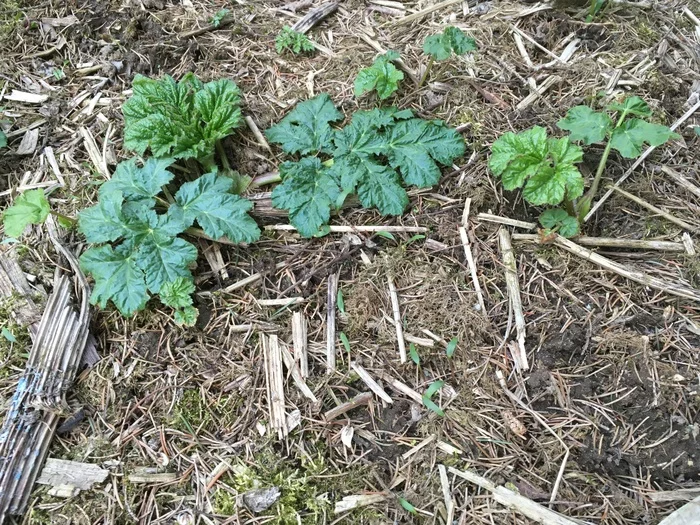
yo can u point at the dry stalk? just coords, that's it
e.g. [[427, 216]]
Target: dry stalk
[[663, 213], [330, 322], [612, 242], [274, 379], [513, 287], [396, 310], [300, 340]]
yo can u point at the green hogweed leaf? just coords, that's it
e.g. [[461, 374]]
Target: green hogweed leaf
[[139, 183], [306, 129], [556, 218], [179, 119], [178, 293], [117, 276], [452, 40], [31, 207], [105, 221], [630, 136], [290, 40], [164, 259], [220, 213], [382, 76], [309, 191], [414, 146], [586, 125], [553, 182], [544, 166], [186, 316], [632, 106]]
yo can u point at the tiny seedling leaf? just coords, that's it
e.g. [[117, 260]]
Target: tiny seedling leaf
[[177, 293], [407, 506], [413, 352], [187, 316], [697, 130], [433, 388], [586, 125], [3, 139], [31, 207], [382, 76], [306, 129], [340, 301], [451, 347], [219, 17], [8, 335], [346, 342], [560, 221], [630, 136], [386, 235], [452, 40]]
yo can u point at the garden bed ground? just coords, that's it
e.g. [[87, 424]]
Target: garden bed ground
[[615, 365]]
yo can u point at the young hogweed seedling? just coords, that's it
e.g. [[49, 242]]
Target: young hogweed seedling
[[382, 77], [546, 167], [443, 45], [292, 41]]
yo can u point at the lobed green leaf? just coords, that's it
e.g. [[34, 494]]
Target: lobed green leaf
[[31, 207], [382, 76], [452, 40], [586, 125], [630, 136]]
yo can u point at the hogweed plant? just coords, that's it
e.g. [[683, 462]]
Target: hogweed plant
[[545, 167], [382, 77], [373, 156], [452, 41], [293, 41]]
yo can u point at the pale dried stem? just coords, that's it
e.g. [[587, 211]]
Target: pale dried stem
[[513, 287], [396, 310]]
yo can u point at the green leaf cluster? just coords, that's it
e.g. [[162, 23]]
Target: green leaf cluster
[[180, 120], [373, 156], [139, 250], [544, 167], [292, 41], [219, 17], [451, 40], [382, 77]]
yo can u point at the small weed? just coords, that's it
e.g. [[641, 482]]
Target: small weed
[[292, 41]]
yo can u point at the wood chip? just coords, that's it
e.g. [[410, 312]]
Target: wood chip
[[396, 311], [360, 399], [274, 379], [82, 476], [27, 98], [511, 273], [29, 142], [300, 341]]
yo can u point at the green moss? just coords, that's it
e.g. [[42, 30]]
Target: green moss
[[307, 490], [193, 413]]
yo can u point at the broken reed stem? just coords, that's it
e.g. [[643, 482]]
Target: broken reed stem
[[300, 340], [612, 242], [359, 228], [514, 292], [633, 275], [371, 383], [472, 269], [420, 14], [663, 213], [256, 132], [397, 319], [296, 373], [681, 180], [360, 399], [330, 322], [507, 221], [275, 383]]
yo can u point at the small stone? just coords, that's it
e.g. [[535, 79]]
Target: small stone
[[259, 500]]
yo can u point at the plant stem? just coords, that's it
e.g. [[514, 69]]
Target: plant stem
[[426, 72], [264, 180], [590, 194], [65, 218], [222, 154]]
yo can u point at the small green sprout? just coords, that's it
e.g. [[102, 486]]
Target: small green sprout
[[443, 45], [219, 17], [292, 41], [382, 77]]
